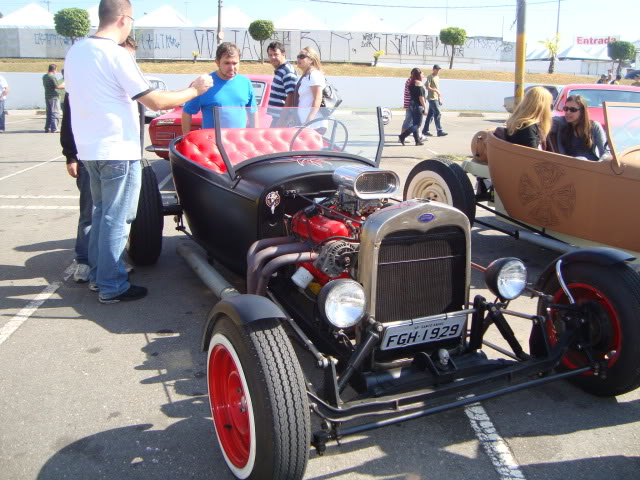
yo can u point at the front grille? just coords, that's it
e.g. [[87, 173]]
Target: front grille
[[421, 273]]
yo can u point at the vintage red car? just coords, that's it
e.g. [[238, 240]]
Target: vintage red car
[[169, 126], [595, 96]]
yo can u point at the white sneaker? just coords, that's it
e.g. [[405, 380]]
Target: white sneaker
[[127, 266], [81, 275], [94, 287]]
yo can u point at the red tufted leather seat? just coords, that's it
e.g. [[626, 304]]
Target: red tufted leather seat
[[244, 143]]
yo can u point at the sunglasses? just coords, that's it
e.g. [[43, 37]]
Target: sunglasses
[[302, 56], [571, 109]]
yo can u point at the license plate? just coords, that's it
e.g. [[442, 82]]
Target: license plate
[[423, 332]]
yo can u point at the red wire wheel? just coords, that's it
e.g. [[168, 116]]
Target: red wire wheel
[[604, 332], [609, 297]]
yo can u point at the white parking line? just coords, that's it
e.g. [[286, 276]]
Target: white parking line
[[23, 315], [494, 445], [30, 168], [37, 197], [38, 207], [21, 121]]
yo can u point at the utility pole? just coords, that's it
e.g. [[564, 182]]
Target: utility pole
[[48, 2], [219, 34], [558, 21], [521, 46]]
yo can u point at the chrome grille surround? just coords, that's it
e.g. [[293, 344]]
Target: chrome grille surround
[[400, 217]]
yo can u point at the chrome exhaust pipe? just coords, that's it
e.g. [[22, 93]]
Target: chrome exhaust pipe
[[209, 275]]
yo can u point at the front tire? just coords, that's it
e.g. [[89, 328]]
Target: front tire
[[441, 180], [145, 238], [258, 400], [611, 294]]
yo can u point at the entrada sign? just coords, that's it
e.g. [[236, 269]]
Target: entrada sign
[[595, 40]]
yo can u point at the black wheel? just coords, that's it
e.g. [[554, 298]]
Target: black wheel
[[610, 296], [442, 181], [145, 238], [331, 140], [258, 400]]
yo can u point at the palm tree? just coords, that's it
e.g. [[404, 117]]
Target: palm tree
[[553, 46]]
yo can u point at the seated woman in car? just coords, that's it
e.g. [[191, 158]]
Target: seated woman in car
[[531, 120], [575, 134]]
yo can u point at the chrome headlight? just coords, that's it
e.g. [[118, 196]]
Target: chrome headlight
[[506, 278], [342, 302]]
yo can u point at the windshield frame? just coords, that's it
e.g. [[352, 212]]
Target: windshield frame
[[232, 170], [562, 98]]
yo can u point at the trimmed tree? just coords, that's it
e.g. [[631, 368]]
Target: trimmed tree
[[553, 46], [621, 52], [72, 23], [261, 30], [453, 36]]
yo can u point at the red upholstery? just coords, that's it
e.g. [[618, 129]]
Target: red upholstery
[[244, 143]]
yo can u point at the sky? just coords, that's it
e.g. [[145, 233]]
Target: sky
[[496, 18]]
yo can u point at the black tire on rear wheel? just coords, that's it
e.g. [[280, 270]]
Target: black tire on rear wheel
[[613, 295], [145, 238], [255, 366], [442, 181]]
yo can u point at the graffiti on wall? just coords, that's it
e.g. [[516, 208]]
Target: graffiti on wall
[[339, 46], [157, 41], [51, 40]]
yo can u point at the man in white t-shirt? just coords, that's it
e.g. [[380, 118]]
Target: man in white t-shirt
[[4, 90], [105, 82]]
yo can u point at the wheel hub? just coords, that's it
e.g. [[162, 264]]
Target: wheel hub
[[229, 406]]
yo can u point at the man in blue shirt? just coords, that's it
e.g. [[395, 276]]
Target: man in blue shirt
[[230, 89]]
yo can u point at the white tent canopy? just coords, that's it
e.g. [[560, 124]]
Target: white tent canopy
[[298, 19], [231, 17], [366, 21], [94, 20], [31, 15], [165, 16], [426, 26], [576, 52]]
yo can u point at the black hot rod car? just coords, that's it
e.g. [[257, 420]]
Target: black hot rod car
[[373, 289]]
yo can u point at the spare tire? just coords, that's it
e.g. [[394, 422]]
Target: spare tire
[[145, 238]]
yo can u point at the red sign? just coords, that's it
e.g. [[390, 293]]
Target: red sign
[[594, 40]]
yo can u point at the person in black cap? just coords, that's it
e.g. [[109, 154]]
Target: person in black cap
[[435, 100]]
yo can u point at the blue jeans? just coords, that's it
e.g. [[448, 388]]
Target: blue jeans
[[417, 111], [86, 210], [115, 188], [53, 114], [434, 112], [408, 119], [2, 115]]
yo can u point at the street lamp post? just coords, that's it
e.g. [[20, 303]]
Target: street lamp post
[[520, 51], [219, 32]]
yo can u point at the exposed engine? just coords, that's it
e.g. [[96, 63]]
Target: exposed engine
[[326, 234], [333, 224]]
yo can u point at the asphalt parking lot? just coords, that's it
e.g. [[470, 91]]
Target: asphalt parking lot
[[92, 391]]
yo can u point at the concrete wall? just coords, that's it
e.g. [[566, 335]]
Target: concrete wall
[[27, 91], [335, 46]]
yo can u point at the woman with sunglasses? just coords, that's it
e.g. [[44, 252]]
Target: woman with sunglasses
[[308, 93], [531, 120], [575, 134]]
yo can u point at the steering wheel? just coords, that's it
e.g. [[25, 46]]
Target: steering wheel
[[331, 140]]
